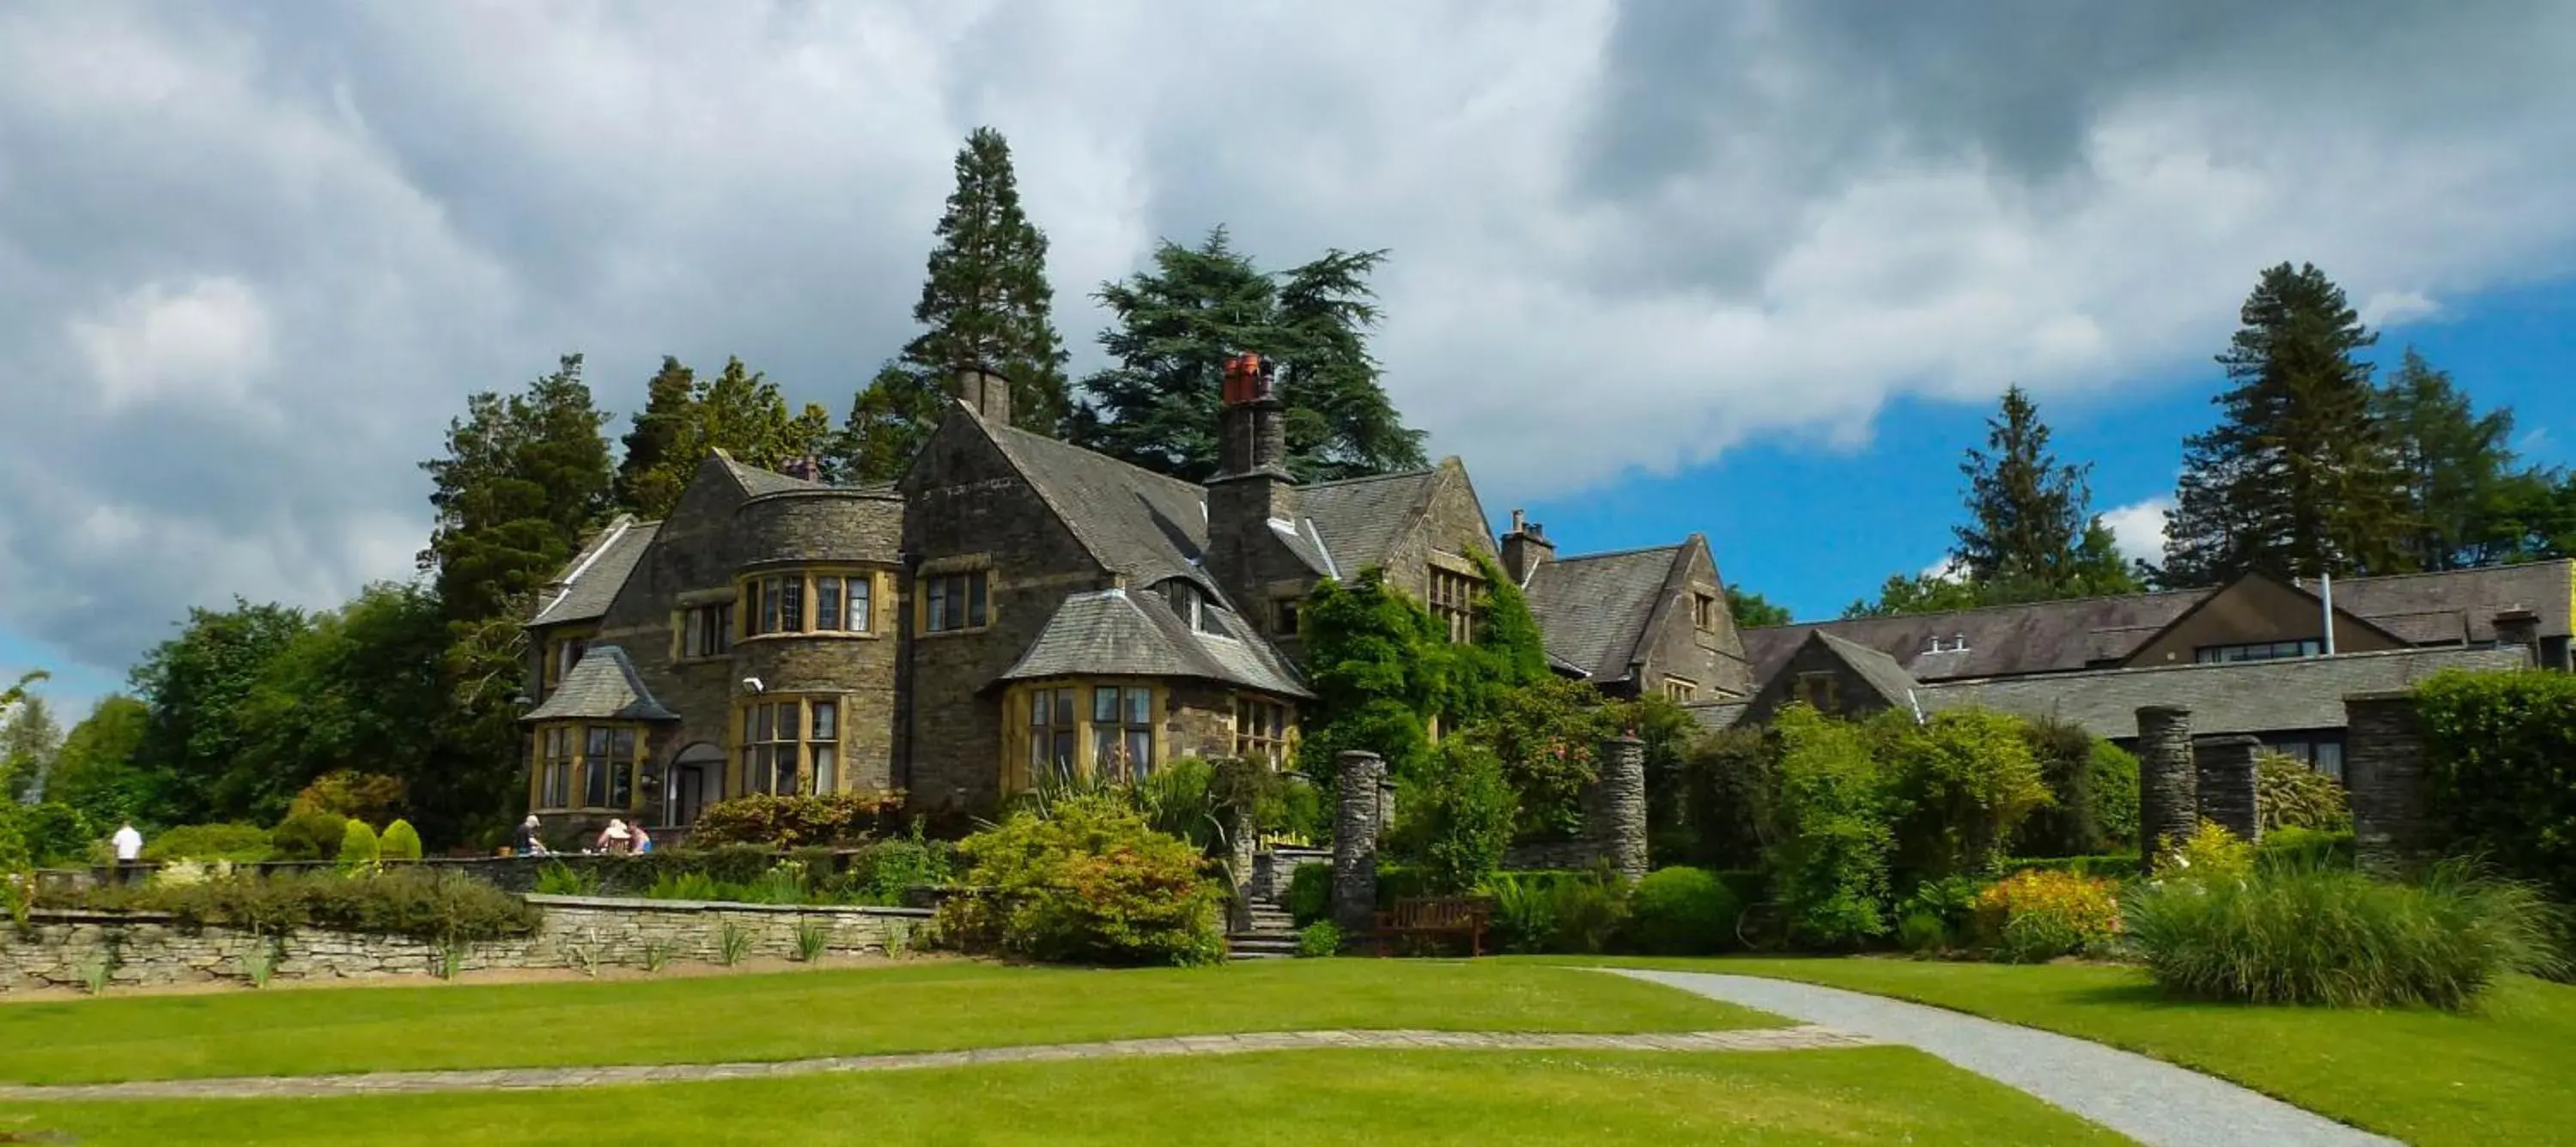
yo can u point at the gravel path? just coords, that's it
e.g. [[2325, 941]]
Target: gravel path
[[528, 1078], [2147, 1100]]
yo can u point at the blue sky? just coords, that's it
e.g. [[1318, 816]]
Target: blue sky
[[1751, 268], [1812, 527]]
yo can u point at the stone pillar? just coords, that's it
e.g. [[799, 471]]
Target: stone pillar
[[2383, 776], [2226, 781], [2168, 803], [1358, 774], [1618, 813], [1239, 867]]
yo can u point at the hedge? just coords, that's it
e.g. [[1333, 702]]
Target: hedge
[[2500, 769]]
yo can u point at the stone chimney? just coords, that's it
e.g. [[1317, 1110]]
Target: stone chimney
[[1525, 548], [1251, 487], [986, 392], [2519, 626]]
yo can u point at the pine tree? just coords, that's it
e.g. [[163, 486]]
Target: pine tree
[[986, 302], [2296, 480], [656, 465], [2032, 535], [1176, 325], [524, 475], [2469, 503]]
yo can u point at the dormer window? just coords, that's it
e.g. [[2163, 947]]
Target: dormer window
[[1191, 605]]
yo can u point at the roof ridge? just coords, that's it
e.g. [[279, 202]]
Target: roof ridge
[[1386, 477], [2321, 659], [1632, 551], [2439, 573], [1999, 608]]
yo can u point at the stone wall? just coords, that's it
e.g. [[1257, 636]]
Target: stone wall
[[58, 948], [1614, 820], [2225, 783], [2383, 769]]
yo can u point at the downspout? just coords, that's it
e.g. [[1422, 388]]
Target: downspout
[[2325, 596]]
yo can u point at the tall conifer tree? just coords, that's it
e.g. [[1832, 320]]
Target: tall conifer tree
[[1177, 323], [2296, 480], [652, 472], [985, 302], [2469, 501], [2032, 534]]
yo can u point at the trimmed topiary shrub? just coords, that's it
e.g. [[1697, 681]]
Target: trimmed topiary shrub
[[1087, 883], [1681, 912], [1321, 938], [2298, 935], [308, 836], [240, 843], [2115, 794], [358, 847], [400, 842]]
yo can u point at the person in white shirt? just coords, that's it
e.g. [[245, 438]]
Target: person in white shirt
[[129, 844]]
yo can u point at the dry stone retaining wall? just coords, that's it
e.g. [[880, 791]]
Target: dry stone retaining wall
[[61, 949]]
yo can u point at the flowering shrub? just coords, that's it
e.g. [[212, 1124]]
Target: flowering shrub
[[2032, 916], [793, 821], [1087, 883], [2212, 853]]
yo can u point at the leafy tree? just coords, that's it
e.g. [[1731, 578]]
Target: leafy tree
[[686, 418], [198, 750], [95, 772], [2296, 480], [1378, 665], [524, 474], [1919, 593], [2470, 505], [1177, 323], [986, 302], [30, 740], [1752, 611], [18, 692], [364, 689]]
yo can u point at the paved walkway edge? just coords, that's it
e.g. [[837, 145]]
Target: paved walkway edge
[[2148, 1100], [535, 1078]]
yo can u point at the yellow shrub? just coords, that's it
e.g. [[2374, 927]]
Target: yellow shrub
[[2041, 915], [2212, 853]]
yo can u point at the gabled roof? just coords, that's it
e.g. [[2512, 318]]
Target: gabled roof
[[756, 481], [1361, 519], [589, 585], [1716, 715], [603, 686], [2231, 697], [2004, 640], [1118, 633], [1593, 609], [1137, 523], [1894, 684], [2067, 636]]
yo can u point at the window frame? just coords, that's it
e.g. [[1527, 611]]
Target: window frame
[[1264, 728], [573, 759], [1451, 596], [1680, 690], [971, 590], [1807, 687], [1704, 607], [1066, 740], [771, 599], [793, 737], [2241, 652], [703, 632]]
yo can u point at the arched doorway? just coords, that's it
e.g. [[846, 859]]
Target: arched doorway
[[696, 780]]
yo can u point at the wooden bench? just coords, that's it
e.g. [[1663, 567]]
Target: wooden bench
[[1462, 916]]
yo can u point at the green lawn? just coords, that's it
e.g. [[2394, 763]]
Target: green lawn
[[932, 1006], [1305, 1098], [2505, 1076]]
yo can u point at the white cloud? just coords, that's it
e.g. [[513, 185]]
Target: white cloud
[[204, 342], [1623, 236], [2139, 528]]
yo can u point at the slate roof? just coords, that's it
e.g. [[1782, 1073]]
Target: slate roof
[[2236, 697], [756, 481], [1141, 524], [602, 686], [590, 584], [1592, 609], [1115, 632], [1715, 715], [2003, 640], [2065, 636], [1880, 670], [1360, 519]]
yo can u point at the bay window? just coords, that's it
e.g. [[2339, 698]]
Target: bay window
[[791, 746]]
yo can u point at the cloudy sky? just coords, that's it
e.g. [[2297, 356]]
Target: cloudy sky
[[1753, 269]]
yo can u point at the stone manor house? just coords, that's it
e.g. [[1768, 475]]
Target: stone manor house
[[1015, 606]]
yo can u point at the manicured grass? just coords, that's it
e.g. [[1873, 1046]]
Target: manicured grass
[[925, 1007], [2504, 1075], [1308, 1098]]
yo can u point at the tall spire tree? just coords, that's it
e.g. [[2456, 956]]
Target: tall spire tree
[[2032, 535], [986, 302], [1177, 323], [2470, 503], [2296, 480], [652, 472]]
